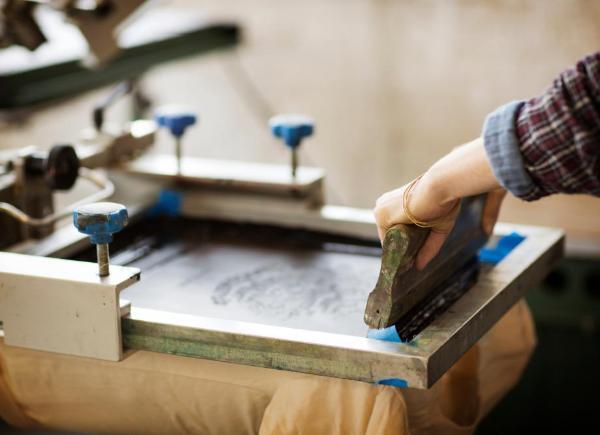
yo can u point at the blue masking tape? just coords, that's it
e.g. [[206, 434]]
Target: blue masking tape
[[168, 204], [385, 334], [394, 382], [503, 247], [388, 334]]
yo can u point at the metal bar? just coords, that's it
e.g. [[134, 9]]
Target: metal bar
[[107, 189], [64, 78], [273, 347], [294, 162], [232, 176], [178, 153]]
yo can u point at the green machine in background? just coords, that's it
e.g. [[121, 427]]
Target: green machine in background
[[43, 58], [51, 51], [558, 390]]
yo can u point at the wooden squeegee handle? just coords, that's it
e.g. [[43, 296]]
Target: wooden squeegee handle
[[403, 241], [400, 247]]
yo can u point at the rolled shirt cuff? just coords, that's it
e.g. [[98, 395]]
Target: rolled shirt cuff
[[502, 148]]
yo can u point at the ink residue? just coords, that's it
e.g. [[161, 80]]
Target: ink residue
[[287, 290]]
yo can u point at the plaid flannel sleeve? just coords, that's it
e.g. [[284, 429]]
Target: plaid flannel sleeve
[[550, 143]]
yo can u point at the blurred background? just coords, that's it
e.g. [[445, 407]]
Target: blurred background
[[393, 85]]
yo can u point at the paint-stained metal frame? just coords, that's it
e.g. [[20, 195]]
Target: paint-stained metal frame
[[419, 363]]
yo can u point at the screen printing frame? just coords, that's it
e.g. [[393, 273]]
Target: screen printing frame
[[418, 364]]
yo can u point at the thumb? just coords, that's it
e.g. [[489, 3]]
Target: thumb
[[430, 248], [436, 238], [491, 210]]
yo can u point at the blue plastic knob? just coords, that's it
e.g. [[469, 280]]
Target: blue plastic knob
[[175, 118], [292, 128], [100, 220]]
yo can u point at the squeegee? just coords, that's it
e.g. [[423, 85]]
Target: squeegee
[[410, 299]]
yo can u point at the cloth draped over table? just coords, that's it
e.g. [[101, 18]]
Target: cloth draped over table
[[153, 393]]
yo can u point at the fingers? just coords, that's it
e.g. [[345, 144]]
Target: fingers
[[491, 209], [430, 248], [389, 211], [436, 238], [381, 233], [380, 221], [438, 235]]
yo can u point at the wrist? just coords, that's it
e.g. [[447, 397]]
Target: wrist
[[437, 188]]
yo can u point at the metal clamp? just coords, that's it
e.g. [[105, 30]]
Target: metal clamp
[[106, 186], [63, 306]]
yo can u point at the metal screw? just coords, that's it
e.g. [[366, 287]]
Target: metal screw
[[103, 259]]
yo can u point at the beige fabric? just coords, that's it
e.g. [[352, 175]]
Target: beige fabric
[[157, 393]]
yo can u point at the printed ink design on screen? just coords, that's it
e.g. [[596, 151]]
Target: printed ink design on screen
[[286, 291]]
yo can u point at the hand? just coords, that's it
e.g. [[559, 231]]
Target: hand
[[463, 172], [424, 205], [389, 211]]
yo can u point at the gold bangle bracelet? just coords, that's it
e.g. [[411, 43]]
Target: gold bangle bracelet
[[411, 217], [405, 199]]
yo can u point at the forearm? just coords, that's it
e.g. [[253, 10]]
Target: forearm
[[546, 145], [465, 171], [550, 143]]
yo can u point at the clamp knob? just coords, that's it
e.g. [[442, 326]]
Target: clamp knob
[[176, 119], [60, 168], [292, 129], [100, 221]]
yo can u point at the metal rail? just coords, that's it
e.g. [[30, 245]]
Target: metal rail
[[106, 186]]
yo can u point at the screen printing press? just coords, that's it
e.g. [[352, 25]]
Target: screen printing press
[[231, 261]]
